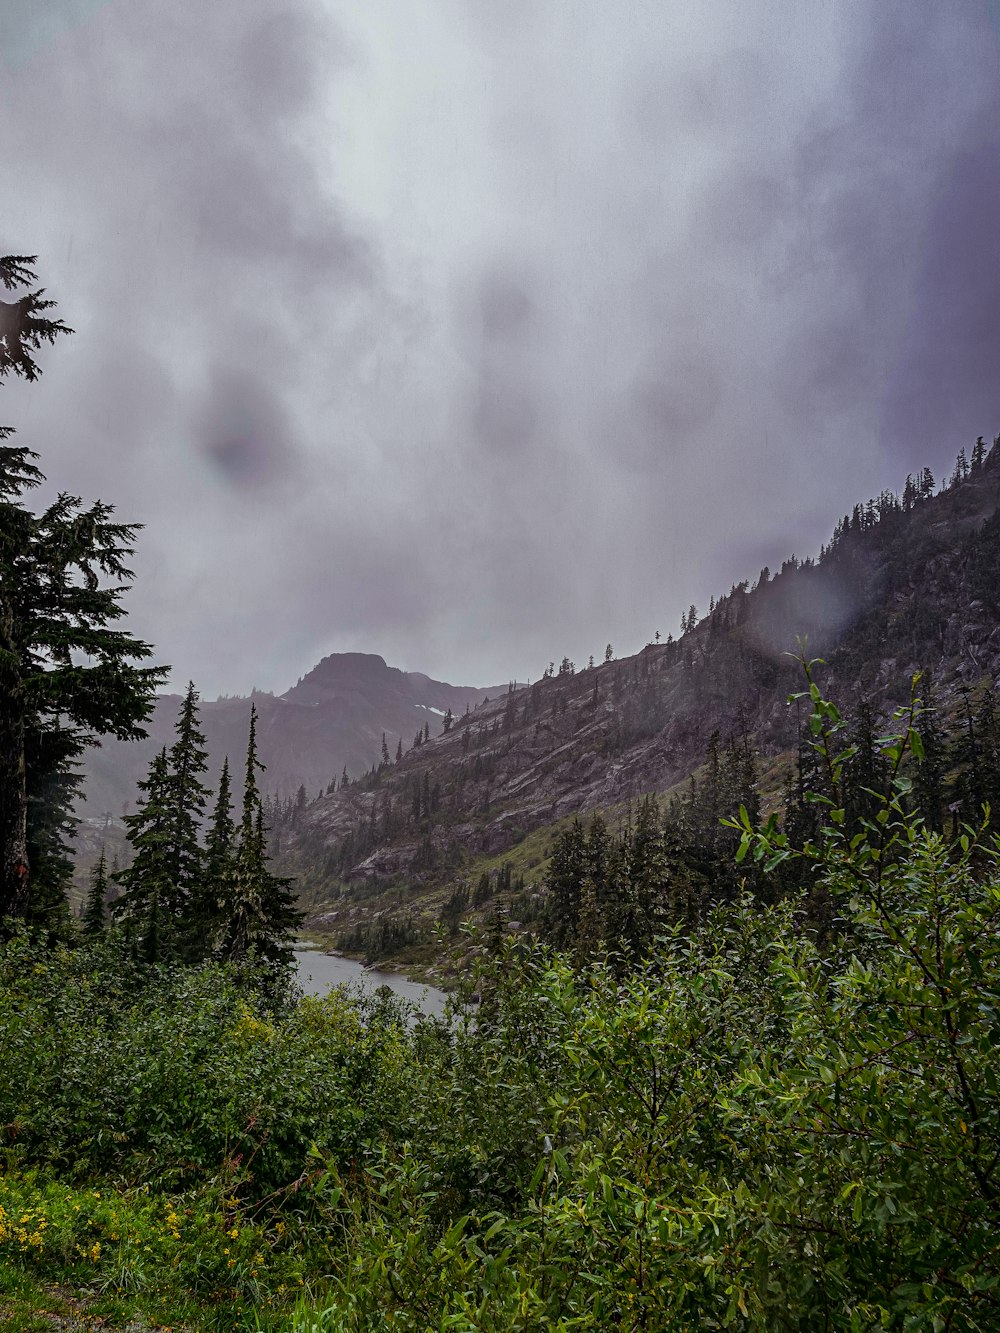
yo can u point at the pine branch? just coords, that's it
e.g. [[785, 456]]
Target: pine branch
[[23, 328], [17, 270]]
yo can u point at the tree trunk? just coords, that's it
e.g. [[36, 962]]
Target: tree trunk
[[14, 870]]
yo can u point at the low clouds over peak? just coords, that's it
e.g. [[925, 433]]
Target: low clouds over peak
[[475, 335]]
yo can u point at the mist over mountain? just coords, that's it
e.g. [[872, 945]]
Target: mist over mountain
[[467, 776], [333, 718], [906, 583]]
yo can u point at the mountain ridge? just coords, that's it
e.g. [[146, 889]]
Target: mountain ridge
[[332, 718], [906, 582]]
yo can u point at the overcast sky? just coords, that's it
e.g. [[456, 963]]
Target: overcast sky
[[479, 332]]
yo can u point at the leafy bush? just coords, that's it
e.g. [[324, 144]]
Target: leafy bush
[[179, 1075], [759, 1127], [750, 1131]]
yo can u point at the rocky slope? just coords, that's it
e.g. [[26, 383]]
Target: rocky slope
[[333, 718], [904, 584]]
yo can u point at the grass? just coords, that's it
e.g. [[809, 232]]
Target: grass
[[28, 1305], [115, 1258]]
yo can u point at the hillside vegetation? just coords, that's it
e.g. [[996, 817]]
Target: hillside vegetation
[[757, 1127], [906, 583]]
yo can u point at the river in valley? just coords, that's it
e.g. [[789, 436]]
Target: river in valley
[[320, 972]]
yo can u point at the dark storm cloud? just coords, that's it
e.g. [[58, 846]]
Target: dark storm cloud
[[476, 334], [511, 387], [171, 176], [947, 386], [892, 197], [245, 434], [799, 283]]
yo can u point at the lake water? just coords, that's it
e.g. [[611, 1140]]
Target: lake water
[[320, 972]]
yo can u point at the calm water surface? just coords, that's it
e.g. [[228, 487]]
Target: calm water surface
[[319, 972]]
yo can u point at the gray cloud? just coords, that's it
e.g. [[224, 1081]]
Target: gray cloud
[[244, 433], [29, 27], [477, 334]]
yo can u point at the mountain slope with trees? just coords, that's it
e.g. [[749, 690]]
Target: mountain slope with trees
[[334, 718], [906, 583], [753, 1086]]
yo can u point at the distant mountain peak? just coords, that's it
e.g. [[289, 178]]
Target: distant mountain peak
[[906, 582], [333, 718]]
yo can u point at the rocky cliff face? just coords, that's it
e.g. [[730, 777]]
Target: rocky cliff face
[[900, 588], [332, 718]]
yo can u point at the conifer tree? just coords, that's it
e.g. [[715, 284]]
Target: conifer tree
[[22, 329], [929, 781], [640, 904], [590, 930], [989, 734], [565, 877], [260, 912], [713, 803], [93, 912], [51, 785], [967, 755], [67, 675], [186, 798], [205, 918], [146, 908], [864, 771], [221, 831]]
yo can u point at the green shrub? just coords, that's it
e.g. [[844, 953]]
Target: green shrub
[[750, 1132], [760, 1127], [181, 1075]]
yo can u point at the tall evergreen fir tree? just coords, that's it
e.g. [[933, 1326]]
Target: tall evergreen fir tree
[[187, 796], [713, 803], [259, 907], [52, 784], [588, 945], [146, 906], [989, 732], [221, 832], [641, 904], [22, 328], [67, 675], [865, 773], [929, 780], [206, 914], [94, 914], [603, 864], [967, 757], [186, 799], [649, 869], [565, 876]]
